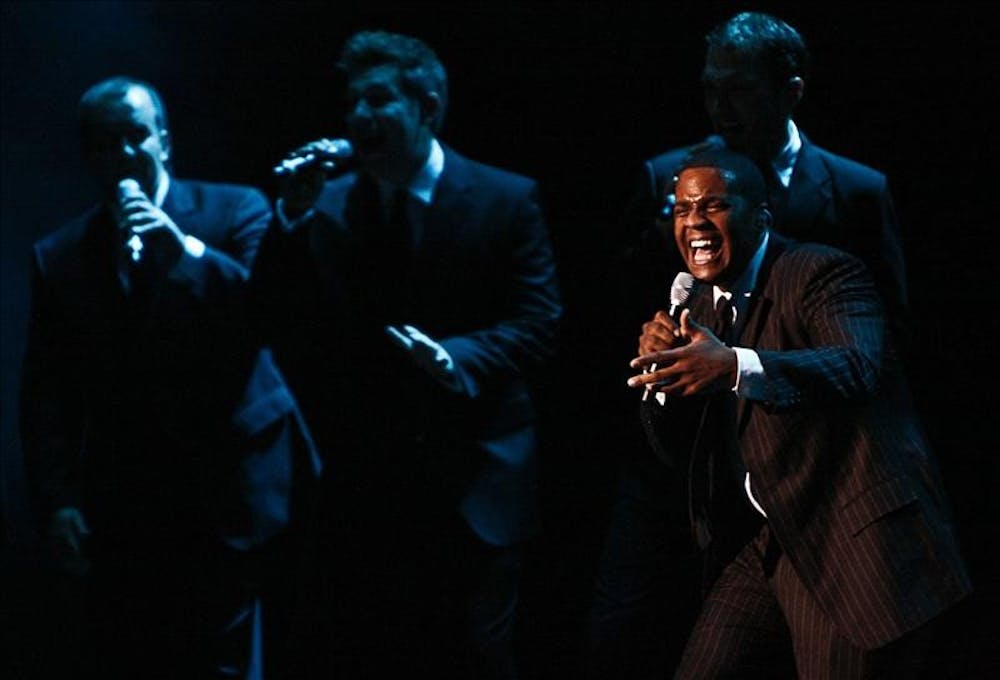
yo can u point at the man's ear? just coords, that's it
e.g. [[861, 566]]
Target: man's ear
[[765, 220], [165, 145], [795, 88], [430, 108]]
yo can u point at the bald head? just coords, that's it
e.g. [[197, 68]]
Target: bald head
[[123, 129]]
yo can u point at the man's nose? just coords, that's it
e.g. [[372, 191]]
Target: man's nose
[[360, 111], [694, 217]]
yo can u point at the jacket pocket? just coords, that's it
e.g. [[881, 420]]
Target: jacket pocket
[[876, 502]]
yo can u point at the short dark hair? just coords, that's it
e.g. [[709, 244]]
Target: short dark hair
[[742, 175], [421, 72], [118, 86], [766, 40]]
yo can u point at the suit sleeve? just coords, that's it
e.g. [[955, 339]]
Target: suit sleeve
[[230, 247], [525, 334], [838, 318]]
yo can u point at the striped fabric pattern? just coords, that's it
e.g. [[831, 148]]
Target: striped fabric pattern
[[835, 454]]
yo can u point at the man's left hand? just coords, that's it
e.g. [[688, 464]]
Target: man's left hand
[[427, 354]]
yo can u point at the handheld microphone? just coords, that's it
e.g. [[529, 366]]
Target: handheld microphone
[[680, 291], [129, 189], [329, 153]]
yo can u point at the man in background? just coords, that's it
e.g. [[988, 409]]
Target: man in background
[[411, 301], [161, 444]]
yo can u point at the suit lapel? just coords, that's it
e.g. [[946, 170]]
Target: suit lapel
[[179, 203], [758, 311], [447, 215], [810, 193]]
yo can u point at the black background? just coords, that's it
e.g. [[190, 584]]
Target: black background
[[575, 95]]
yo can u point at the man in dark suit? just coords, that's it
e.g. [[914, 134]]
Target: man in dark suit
[[755, 74], [161, 442], [410, 302], [830, 547]]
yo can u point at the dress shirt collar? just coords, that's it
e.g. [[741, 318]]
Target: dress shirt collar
[[742, 288], [785, 160], [422, 185]]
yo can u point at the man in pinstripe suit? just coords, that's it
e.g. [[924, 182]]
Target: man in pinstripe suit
[[756, 73], [829, 544]]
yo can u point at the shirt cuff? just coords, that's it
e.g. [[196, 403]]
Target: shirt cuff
[[751, 383], [186, 267], [193, 247]]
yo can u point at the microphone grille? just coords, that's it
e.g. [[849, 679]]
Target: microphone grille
[[680, 289], [128, 187]]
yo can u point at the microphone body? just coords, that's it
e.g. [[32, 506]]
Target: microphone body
[[680, 291], [129, 189]]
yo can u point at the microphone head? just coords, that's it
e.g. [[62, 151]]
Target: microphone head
[[331, 154], [339, 147], [129, 187], [680, 289]]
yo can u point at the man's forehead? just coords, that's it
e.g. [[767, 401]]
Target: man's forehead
[[731, 66], [701, 178], [137, 97], [374, 76], [135, 105]]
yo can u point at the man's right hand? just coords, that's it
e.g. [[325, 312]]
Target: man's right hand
[[303, 171], [66, 533], [660, 333]]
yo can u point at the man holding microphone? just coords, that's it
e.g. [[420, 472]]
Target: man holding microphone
[[160, 441]]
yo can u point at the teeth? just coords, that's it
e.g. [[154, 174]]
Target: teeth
[[701, 243]]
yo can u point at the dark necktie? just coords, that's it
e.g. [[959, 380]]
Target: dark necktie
[[142, 284], [395, 238], [723, 319], [388, 262]]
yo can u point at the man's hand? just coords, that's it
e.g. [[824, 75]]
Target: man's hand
[[659, 334], [161, 238], [303, 171], [66, 533], [427, 354], [702, 364]]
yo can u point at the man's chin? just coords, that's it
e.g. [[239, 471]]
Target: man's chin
[[707, 273]]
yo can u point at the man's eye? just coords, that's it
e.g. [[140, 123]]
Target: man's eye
[[716, 206]]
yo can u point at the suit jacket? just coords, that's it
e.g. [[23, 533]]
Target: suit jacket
[[835, 454], [159, 410], [480, 279], [831, 200]]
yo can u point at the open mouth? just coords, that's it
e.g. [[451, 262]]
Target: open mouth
[[372, 142], [705, 250]]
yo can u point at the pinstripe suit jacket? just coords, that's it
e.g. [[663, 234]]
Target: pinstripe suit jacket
[[835, 453]]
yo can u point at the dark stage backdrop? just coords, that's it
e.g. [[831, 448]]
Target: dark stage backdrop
[[576, 95]]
